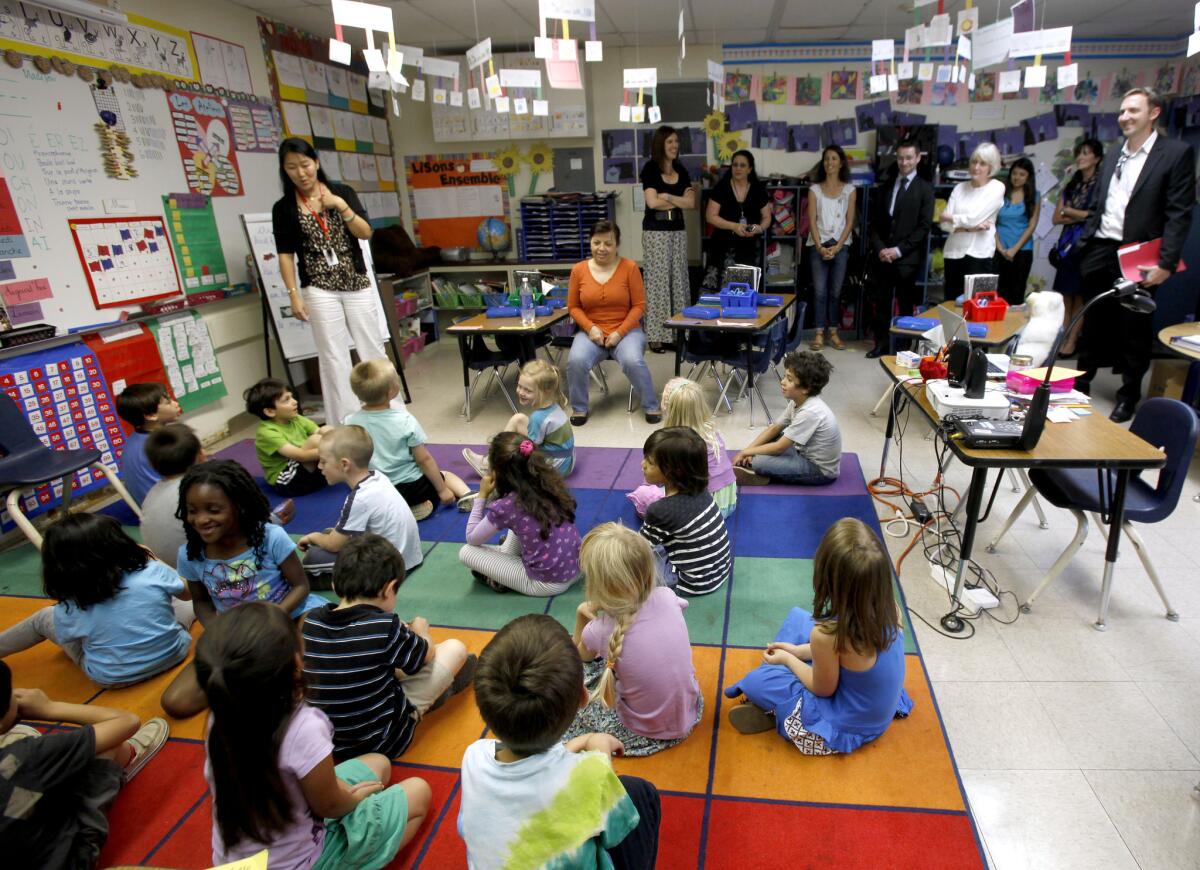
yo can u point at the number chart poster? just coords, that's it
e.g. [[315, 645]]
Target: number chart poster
[[197, 244], [202, 130], [126, 260]]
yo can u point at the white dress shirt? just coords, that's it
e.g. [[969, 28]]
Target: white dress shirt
[[1112, 221], [971, 206]]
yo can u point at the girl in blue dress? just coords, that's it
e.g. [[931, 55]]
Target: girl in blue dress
[[833, 680]]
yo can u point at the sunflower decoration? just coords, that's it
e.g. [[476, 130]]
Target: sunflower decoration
[[540, 159], [508, 164], [728, 143], [714, 126]]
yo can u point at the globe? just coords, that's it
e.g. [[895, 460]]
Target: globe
[[493, 235]]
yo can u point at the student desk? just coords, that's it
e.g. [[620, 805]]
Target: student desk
[[745, 329], [481, 324], [999, 332], [1093, 441], [1192, 384]]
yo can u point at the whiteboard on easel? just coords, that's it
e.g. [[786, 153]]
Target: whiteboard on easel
[[295, 335]]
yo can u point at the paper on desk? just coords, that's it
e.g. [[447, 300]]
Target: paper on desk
[[1060, 415], [1060, 373]]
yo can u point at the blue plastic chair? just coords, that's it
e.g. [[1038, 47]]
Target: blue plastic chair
[[795, 336], [766, 348], [1167, 424], [27, 462]]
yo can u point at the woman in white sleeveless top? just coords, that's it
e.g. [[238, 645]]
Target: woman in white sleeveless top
[[831, 205]]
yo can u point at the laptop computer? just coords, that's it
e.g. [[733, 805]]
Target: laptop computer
[[956, 328]]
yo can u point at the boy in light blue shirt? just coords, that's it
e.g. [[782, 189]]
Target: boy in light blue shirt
[[400, 452]]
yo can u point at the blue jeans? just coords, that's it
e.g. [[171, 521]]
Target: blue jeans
[[790, 467], [827, 277], [775, 688], [666, 571], [630, 353]]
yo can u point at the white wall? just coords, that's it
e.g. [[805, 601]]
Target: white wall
[[235, 324]]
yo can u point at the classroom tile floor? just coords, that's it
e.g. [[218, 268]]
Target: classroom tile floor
[[1077, 748]]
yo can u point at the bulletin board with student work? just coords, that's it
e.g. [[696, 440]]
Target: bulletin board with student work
[[295, 335], [88, 171], [329, 106], [470, 114], [627, 149], [65, 396]]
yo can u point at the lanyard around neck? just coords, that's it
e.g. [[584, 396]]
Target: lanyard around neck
[[318, 216]]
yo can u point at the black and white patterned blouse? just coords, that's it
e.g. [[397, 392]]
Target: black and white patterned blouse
[[342, 277]]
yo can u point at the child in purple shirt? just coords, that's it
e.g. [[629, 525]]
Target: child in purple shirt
[[523, 493], [638, 629]]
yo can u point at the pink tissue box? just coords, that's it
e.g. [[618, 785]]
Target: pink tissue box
[[1022, 383]]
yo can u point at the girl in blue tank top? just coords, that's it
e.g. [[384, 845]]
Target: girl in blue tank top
[[833, 680]]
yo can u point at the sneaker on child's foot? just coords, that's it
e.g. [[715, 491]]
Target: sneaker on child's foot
[[145, 744], [749, 719], [476, 460], [283, 513], [467, 502], [747, 477], [422, 510]]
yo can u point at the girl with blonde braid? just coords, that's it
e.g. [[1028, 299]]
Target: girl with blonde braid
[[634, 642]]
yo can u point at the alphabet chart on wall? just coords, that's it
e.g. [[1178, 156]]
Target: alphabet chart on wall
[[126, 260]]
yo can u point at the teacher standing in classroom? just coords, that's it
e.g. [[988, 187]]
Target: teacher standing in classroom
[[317, 227], [668, 190]]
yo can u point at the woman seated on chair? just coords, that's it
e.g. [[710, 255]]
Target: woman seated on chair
[[606, 298]]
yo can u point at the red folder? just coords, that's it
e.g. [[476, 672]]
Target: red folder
[[1144, 255]]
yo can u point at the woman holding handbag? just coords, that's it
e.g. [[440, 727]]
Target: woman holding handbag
[[1074, 206]]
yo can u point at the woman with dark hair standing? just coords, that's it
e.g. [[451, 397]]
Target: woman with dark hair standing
[[1015, 223], [317, 226], [668, 191], [1076, 204], [739, 212], [831, 205]]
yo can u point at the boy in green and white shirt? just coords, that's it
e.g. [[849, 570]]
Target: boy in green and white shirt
[[285, 441], [530, 801]]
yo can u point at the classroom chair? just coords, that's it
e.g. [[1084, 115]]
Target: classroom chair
[[27, 462], [481, 360], [1167, 424], [794, 336]]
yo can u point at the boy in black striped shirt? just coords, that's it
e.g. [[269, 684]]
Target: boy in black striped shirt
[[373, 675]]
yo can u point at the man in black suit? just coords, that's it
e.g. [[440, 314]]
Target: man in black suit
[[899, 230], [1147, 188]]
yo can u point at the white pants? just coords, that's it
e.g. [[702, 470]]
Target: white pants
[[503, 564], [335, 319]]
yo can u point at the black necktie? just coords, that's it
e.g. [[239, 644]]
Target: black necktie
[[900, 193]]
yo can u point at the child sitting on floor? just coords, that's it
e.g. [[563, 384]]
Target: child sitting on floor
[[530, 800], [373, 504], [172, 450], [854, 686], [374, 676], [285, 441], [270, 763], [804, 447], [233, 555], [522, 493], [547, 425], [685, 527], [56, 787], [400, 451], [636, 628], [145, 407], [684, 405], [118, 616]]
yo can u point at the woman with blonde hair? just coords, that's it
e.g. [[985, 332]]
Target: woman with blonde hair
[[970, 219], [634, 641]]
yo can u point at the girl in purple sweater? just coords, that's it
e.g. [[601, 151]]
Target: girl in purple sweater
[[524, 494]]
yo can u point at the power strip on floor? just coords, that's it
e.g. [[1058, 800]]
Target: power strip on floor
[[973, 600]]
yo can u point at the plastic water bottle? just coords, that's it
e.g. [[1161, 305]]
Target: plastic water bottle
[[528, 315]]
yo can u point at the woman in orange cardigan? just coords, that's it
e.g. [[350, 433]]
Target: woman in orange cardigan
[[607, 300]]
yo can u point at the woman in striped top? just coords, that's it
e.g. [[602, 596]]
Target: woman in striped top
[[685, 528]]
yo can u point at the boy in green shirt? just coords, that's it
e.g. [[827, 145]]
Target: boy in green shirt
[[285, 441]]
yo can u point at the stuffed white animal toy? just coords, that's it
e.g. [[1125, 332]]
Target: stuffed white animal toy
[[1045, 319]]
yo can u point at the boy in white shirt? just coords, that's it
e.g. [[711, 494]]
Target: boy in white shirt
[[529, 800], [804, 447], [374, 505]]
